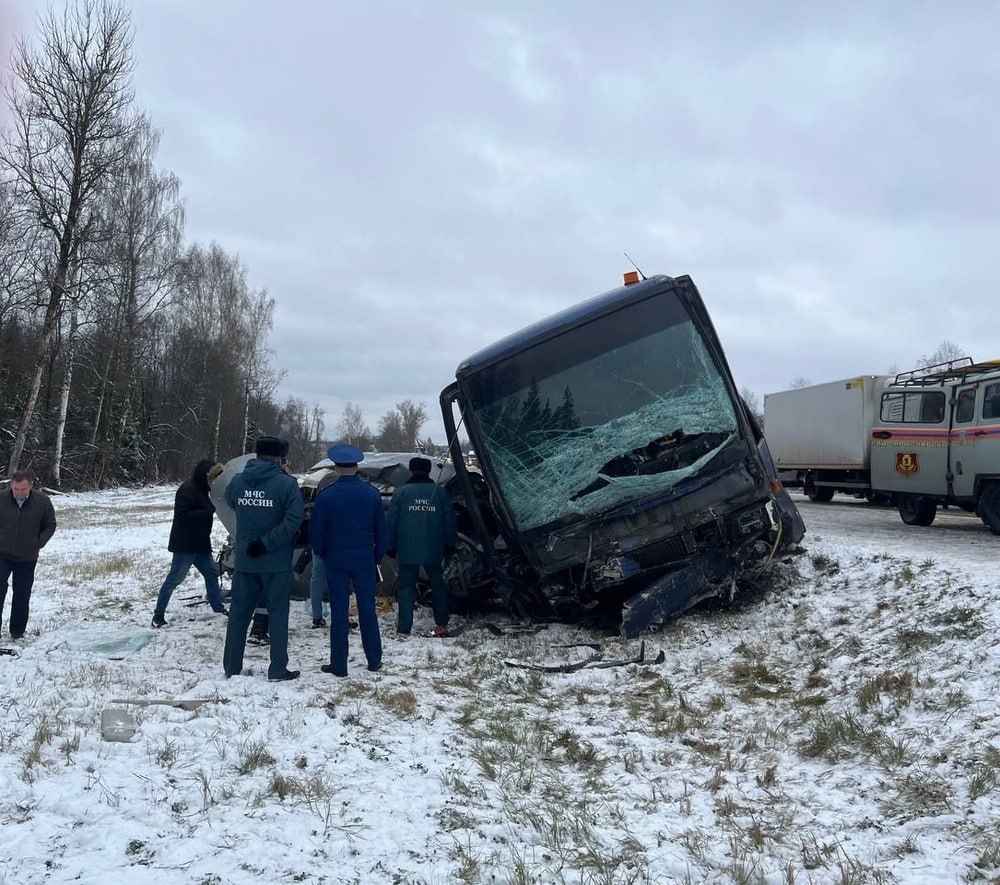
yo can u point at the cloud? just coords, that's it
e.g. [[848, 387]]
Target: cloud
[[411, 182]]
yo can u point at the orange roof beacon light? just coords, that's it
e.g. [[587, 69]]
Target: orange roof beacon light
[[630, 277]]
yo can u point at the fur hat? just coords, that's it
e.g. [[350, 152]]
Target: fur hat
[[420, 465], [269, 447]]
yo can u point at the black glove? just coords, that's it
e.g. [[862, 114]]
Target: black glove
[[256, 548], [391, 554]]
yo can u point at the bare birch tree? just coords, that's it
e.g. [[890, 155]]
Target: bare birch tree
[[352, 427], [137, 251], [72, 108]]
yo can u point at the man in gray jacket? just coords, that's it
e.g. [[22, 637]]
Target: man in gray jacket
[[27, 521]]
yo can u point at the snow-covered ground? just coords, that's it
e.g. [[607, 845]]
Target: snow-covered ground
[[841, 727]]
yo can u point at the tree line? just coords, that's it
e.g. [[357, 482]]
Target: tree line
[[126, 353], [398, 430]]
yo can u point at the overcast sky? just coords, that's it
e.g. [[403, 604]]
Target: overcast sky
[[411, 181]]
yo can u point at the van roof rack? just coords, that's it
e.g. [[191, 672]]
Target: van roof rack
[[941, 373]]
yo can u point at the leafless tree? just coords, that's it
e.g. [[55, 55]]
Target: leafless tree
[[352, 427], [138, 250], [754, 404], [72, 108], [800, 382], [389, 436], [318, 427], [946, 352], [412, 417], [399, 429], [16, 280]]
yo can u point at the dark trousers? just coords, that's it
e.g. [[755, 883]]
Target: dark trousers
[[24, 576], [180, 565], [248, 588], [345, 568], [406, 594]]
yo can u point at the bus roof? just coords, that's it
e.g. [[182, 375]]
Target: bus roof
[[566, 319]]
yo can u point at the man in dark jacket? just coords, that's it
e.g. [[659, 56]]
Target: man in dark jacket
[[269, 509], [348, 534], [421, 533], [27, 521], [191, 541]]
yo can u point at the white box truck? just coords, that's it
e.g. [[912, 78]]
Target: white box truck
[[820, 436], [921, 439]]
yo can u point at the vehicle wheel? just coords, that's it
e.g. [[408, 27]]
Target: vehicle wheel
[[816, 493], [989, 507], [917, 510]]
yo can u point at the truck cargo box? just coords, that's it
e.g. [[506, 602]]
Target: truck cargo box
[[824, 426]]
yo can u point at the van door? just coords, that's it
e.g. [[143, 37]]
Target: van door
[[910, 443], [983, 456], [962, 441]]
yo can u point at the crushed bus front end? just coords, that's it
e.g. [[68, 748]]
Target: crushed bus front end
[[622, 479]]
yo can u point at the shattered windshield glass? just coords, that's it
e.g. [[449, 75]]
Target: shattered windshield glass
[[621, 408]]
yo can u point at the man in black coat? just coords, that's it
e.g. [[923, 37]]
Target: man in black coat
[[27, 521], [191, 541]]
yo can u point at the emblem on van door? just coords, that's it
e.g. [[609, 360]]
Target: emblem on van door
[[906, 463]]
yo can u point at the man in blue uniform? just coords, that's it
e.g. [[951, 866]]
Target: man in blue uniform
[[348, 534], [421, 533], [269, 509]]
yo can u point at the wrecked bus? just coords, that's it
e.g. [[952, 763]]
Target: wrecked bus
[[620, 474]]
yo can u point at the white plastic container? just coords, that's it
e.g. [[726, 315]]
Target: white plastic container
[[117, 725]]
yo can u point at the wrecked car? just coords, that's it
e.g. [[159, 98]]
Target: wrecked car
[[621, 476]]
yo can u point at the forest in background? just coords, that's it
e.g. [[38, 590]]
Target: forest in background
[[126, 353]]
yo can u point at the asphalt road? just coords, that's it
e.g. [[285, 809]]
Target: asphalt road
[[954, 536]]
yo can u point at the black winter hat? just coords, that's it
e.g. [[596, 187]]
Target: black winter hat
[[269, 446], [420, 465]]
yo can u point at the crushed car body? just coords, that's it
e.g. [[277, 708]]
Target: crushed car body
[[384, 470]]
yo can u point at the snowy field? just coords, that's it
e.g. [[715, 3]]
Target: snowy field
[[842, 727]]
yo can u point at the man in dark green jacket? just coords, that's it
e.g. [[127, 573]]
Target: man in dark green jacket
[[27, 521], [421, 533], [269, 510]]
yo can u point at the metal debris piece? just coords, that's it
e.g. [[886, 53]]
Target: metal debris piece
[[514, 629], [190, 704], [591, 662], [556, 668]]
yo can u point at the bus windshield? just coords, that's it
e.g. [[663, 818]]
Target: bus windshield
[[620, 408]]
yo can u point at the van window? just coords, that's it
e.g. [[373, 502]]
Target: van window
[[913, 407], [991, 401], [965, 411]]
